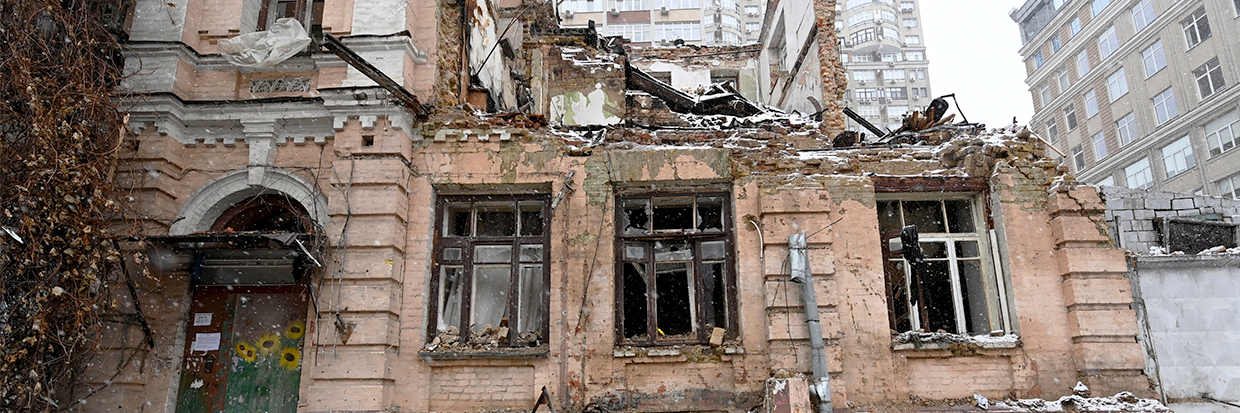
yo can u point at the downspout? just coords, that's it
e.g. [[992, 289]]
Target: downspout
[[798, 256]]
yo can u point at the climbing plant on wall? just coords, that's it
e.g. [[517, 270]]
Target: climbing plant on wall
[[59, 135]]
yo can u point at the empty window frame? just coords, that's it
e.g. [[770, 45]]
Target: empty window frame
[[1209, 78], [1223, 133], [1196, 27], [1164, 106], [1154, 58], [1138, 174], [491, 274], [1178, 157], [955, 289], [271, 10], [674, 278]]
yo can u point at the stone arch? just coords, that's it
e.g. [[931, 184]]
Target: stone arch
[[207, 203]]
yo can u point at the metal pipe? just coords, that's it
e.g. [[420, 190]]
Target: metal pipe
[[798, 256]]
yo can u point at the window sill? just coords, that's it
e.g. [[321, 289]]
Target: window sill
[[679, 352], [958, 344], [490, 354]]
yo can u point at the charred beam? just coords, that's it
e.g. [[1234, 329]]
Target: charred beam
[[332, 44]]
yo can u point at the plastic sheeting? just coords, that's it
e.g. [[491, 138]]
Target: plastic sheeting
[[266, 49]]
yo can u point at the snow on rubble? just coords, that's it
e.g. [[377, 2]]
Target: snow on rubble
[[1122, 402]]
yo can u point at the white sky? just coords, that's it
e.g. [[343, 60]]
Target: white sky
[[973, 50]]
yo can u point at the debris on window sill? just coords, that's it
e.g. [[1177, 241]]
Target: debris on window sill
[[957, 343], [486, 343], [692, 352]]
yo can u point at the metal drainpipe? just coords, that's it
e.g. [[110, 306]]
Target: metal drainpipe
[[799, 257]]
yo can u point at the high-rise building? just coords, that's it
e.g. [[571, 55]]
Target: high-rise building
[[662, 22], [1138, 93], [884, 52]]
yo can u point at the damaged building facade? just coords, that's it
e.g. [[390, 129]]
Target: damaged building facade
[[444, 206]]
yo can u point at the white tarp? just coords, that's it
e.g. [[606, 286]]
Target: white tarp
[[266, 49]]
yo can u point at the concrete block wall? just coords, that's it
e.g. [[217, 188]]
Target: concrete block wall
[[1132, 212]]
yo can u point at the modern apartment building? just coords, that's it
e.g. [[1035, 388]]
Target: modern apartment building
[[1138, 93], [662, 22], [884, 52]]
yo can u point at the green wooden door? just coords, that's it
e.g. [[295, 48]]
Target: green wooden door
[[244, 350]]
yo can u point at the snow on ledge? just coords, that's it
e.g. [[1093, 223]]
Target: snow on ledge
[[913, 340]]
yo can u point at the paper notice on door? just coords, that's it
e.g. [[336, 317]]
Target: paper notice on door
[[202, 319], [206, 342]]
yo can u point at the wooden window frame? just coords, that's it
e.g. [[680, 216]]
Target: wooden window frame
[[466, 244], [316, 13], [974, 190], [701, 333]]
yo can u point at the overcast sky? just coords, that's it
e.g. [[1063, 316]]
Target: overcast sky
[[973, 50]]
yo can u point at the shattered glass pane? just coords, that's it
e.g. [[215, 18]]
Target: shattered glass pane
[[967, 249], [960, 216], [935, 249], [634, 252], [926, 215], [635, 300], [889, 216], [532, 253], [490, 298], [531, 218], [636, 216], [713, 250], [452, 254], [900, 296], [716, 289], [674, 302], [710, 214], [940, 306], [673, 214], [496, 220], [669, 251], [493, 253], [450, 289], [456, 220], [532, 295], [973, 288]]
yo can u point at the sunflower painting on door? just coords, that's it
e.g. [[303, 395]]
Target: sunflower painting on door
[[257, 366]]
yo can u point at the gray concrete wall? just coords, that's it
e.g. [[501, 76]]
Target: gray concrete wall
[[1189, 311], [1131, 213]]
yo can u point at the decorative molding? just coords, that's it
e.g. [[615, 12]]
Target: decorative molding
[[280, 85]]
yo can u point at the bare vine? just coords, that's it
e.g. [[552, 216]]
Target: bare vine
[[59, 136]]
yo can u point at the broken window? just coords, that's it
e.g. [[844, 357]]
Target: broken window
[[271, 10], [950, 284], [490, 275], [675, 281]]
